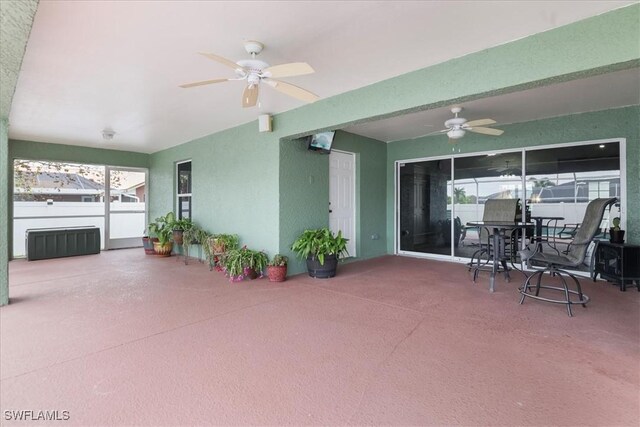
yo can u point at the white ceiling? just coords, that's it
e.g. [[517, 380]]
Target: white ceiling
[[96, 64], [618, 89]]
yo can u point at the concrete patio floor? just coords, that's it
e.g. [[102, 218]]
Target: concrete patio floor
[[122, 338]]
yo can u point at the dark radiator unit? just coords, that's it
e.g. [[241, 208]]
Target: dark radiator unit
[[45, 243]]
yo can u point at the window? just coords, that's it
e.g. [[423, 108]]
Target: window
[[183, 185]]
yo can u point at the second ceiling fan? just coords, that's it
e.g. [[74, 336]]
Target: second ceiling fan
[[456, 127], [255, 71]]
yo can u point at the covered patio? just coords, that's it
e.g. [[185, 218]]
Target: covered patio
[[124, 338]]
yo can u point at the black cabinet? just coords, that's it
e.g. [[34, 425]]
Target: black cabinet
[[618, 263]]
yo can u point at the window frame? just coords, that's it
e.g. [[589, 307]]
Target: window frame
[[179, 195]]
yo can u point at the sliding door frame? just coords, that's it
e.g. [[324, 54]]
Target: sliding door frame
[[399, 163]]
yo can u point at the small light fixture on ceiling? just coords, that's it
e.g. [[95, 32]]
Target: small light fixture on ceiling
[[456, 133], [601, 145], [108, 134]]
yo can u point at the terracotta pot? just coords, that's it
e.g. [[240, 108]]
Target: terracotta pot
[[163, 250], [217, 247], [277, 273]]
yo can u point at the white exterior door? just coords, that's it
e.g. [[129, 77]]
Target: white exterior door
[[342, 196]]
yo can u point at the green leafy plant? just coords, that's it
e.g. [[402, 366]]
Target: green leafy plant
[[279, 261], [192, 235], [227, 241], [318, 243], [162, 228], [183, 224], [237, 261], [217, 246]]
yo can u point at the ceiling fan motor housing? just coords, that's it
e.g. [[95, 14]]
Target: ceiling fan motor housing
[[455, 123]]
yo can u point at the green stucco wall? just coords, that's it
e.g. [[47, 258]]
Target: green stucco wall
[[16, 20], [234, 188], [609, 124], [71, 153], [304, 193], [4, 212]]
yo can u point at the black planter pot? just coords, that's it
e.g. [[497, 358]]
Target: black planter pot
[[617, 236], [322, 271]]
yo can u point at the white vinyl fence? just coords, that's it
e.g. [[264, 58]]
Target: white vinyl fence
[[29, 215]]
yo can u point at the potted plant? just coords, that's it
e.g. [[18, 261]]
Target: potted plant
[[216, 246], [178, 227], [277, 268], [221, 243], [244, 262], [192, 236], [161, 229], [616, 233], [322, 250]]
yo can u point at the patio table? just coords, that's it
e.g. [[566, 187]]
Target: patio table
[[497, 232], [538, 220]]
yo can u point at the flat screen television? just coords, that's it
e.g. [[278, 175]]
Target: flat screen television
[[321, 142]]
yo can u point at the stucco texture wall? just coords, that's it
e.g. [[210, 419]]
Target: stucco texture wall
[[304, 193], [234, 184], [4, 211]]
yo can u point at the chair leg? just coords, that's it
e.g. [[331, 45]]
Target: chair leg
[[566, 294], [539, 281], [526, 286]]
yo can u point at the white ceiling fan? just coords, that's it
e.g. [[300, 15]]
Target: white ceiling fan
[[255, 71], [456, 127]]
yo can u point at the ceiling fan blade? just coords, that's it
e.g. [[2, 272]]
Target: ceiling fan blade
[[288, 70], [480, 122], [292, 90], [222, 60], [486, 131], [250, 96], [204, 82]]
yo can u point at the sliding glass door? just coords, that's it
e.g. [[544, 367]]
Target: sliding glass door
[[562, 181], [478, 179], [425, 221], [436, 198]]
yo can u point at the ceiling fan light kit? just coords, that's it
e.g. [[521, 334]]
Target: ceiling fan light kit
[[255, 71]]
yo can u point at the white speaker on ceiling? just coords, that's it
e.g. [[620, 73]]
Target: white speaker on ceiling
[[264, 123]]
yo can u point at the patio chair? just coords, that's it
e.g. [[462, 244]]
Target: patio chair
[[498, 210], [554, 263]]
